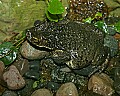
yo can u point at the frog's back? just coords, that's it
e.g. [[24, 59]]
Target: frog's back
[[67, 36]]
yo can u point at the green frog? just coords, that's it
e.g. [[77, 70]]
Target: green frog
[[72, 43]]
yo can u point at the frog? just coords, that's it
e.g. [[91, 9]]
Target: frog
[[76, 44]]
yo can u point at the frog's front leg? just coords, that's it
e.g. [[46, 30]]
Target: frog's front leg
[[60, 57]]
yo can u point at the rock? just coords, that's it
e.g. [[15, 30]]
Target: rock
[[34, 70], [31, 53], [34, 65], [28, 89], [101, 84], [41, 92], [2, 89], [32, 74], [2, 67], [53, 86], [22, 65], [9, 93], [114, 7], [67, 89], [13, 78]]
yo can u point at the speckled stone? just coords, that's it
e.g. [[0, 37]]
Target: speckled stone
[[67, 89], [41, 92], [9, 93], [13, 78], [101, 84], [31, 53]]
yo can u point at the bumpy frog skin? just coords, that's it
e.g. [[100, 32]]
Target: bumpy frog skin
[[82, 43]]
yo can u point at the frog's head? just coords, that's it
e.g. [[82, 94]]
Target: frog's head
[[38, 38]]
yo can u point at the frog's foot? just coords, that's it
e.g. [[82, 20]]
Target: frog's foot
[[99, 68]]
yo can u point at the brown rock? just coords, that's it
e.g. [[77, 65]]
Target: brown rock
[[101, 84], [41, 92], [67, 89], [2, 67], [31, 53], [22, 65], [2, 89], [13, 78]]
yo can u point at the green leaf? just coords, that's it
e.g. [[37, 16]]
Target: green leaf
[[53, 17], [88, 20], [101, 25], [55, 7], [98, 14], [35, 84], [117, 27], [7, 52]]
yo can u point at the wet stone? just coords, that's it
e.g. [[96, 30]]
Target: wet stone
[[57, 75], [2, 89], [9, 93], [42, 85], [67, 89], [41, 92], [53, 86], [31, 53], [13, 78], [112, 43], [21, 64], [78, 80], [28, 89], [32, 74], [101, 84], [60, 76], [34, 65]]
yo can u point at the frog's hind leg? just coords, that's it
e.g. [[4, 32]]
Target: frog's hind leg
[[100, 61], [99, 68]]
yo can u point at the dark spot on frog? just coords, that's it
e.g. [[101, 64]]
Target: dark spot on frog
[[82, 42]]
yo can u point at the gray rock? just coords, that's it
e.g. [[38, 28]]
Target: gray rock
[[9, 93], [32, 74], [34, 65], [41, 92], [67, 89], [28, 89], [31, 53], [101, 84], [13, 78]]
